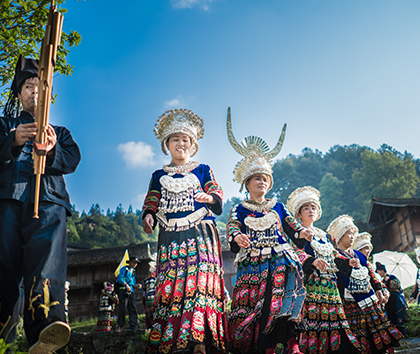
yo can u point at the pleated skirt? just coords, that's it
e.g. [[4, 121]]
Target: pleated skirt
[[372, 327], [266, 305], [328, 330], [189, 295]]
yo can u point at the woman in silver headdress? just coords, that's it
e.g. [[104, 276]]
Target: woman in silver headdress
[[182, 197], [328, 330], [269, 293], [361, 294]]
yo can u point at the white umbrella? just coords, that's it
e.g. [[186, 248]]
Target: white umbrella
[[398, 264]]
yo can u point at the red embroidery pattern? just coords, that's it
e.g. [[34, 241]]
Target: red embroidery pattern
[[188, 300], [152, 201], [212, 187]]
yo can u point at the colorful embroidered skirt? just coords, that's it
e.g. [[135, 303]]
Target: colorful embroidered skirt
[[104, 323], [266, 305], [328, 331], [372, 327], [149, 311], [189, 295]]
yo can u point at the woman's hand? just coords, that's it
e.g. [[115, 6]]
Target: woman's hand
[[307, 234], [320, 264], [380, 296], [354, 262], [411, 300], [148, 224], [242, 240], [204, 198]]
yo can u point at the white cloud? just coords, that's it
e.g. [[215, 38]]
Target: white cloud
[[175, 103], [137, 154], [178, 102], [188, 4]]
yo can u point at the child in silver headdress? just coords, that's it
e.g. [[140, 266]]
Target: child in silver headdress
[[183, 198], [361, 294], [328, 330]]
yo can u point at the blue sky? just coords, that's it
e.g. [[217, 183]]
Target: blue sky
[[337, 72]]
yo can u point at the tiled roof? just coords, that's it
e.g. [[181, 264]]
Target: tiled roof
[[379, 203]]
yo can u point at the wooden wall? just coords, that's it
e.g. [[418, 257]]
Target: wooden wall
[[86, 283]]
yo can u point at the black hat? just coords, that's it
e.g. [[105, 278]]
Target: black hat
[[380, 266], [25, 68], [134, 259]]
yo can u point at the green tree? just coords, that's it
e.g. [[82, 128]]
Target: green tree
[[22, 28], [331, 189], [386, 174], [114, 228], [227, 207], [297, 171]]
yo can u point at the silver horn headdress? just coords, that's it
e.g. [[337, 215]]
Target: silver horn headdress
[[257, 155]]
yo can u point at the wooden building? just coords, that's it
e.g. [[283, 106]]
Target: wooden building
[[394, 224], [88, 269]]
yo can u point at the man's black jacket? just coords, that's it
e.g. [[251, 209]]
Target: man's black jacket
[[17, 179]]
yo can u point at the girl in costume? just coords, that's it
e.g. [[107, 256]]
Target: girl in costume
[[328, 330], [182, 197], [107, 302], [268, 295], [362, 243], [361, 294]]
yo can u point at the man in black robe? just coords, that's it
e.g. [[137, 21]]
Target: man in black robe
[[33, 249]]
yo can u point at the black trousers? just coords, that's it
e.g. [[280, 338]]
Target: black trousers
[[34, 250], [131, 308]]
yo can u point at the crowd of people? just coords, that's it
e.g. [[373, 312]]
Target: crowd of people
[[313, 291]]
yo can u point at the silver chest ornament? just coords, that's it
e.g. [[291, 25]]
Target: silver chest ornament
[[178, 193]]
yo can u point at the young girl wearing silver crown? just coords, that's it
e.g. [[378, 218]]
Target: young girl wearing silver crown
[[328, 330], [361, 294], [269, 293], [189, 312]]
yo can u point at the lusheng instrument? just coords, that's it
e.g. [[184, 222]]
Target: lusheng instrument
[[47, 61]]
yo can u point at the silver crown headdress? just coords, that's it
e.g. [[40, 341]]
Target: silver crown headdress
[[179, 121], [339, 226], [362, 240], [301, 196], [257, 155]]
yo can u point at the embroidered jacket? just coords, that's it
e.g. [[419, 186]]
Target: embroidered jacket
[[269, 226], [361, 284], [170, 198], [321, 247]]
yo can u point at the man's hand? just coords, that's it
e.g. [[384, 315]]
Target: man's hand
[[51, 140], [204, 198], [127, 287], [320, 264], [148, 224], [242, 240], [307, 234], [411, 300], [23, 133]]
